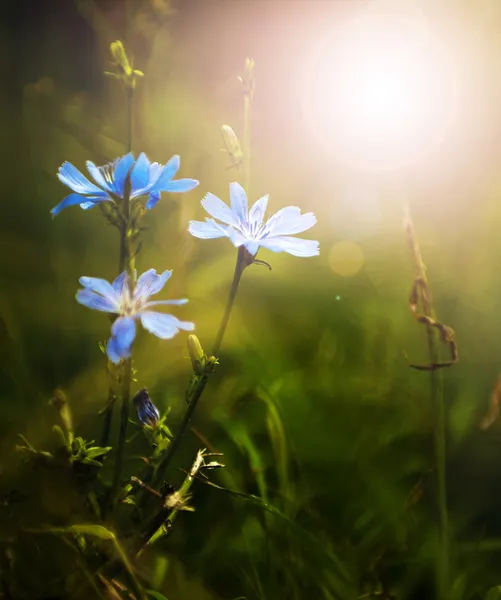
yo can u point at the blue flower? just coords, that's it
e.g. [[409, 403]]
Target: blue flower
[[146, 180], [246, 227], [118, 298], [147, 412]]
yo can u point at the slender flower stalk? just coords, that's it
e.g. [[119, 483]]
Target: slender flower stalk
[[243, 260], [437, 398]]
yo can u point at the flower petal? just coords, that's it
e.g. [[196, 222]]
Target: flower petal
[[149, 283], [87, 205], [98, 177], [121, 283], [167, 173], [72, 177], [180, 185], [174, 302], [70, 200], [164, 326], [140, 175], [252, 247], [92, 300], [208, 230], [122, 168], [123, 331], [289, 221], [102, 287], [219, 209], [237, 239], [292, 245], [238, 199], [112, 350], [152, 200], [258, 210]]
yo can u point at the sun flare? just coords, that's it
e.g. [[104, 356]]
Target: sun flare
[[379, 91]]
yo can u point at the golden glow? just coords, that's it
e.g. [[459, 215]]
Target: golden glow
[[378, 91], [346, 258]]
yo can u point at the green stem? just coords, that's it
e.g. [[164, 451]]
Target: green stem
[[247, 142], [173, 446], [108, 417], [196, 394], [437, 398], [126, 262], [242, 262], [124, 420]]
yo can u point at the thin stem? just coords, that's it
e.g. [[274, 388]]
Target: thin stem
[[437, 397], [130, 98], [239, 269], [108, 418], [247, 142], [124, 420], [173, 446], [193, 399]]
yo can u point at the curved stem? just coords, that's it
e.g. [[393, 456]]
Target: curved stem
[[437, 398], [243, 260]]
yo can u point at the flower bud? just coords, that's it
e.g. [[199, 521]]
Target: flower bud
[[125, 72], [147, 412], [247, 80], [231, 145], [196, 354]]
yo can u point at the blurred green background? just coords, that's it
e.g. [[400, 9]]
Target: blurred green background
[[313, 404]]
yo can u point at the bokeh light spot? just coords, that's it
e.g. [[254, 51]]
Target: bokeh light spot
[[346, 258]]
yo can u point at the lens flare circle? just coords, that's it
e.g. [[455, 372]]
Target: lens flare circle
[[379, 91], [346, 258]]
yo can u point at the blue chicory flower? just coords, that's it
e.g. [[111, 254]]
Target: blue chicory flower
[[147, 412], [118, 298], [146, 179], [246, 226]]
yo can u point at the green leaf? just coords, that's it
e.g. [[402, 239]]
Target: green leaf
[[494, 593], [97, 451]]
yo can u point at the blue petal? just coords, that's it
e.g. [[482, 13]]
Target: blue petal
[[98, 176], [252, 247], [294, 246], [70, 200], [289, 221], [219, 209], [92, 300], [147, 412], [140, 175], [180, 185], [123, 331], [238, 199], [208, 230], [237, 239], [167, 173], [102, 287], [112, 350], [87, 205], [152, 200], [72, 177], [121, 283], [174, 302], [257, 211], [149, 283], [164, 326], [122, 168]]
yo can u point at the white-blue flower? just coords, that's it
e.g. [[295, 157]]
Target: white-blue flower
[[118, 298], [246, 227], [147, 179]]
